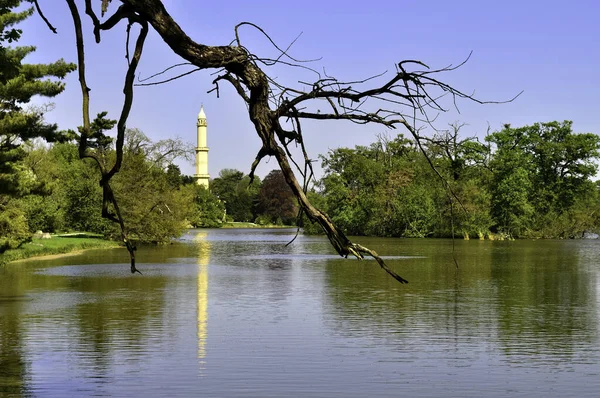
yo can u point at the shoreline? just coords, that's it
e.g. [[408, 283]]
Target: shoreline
[[55, 247], [249, 225], [60, 255]]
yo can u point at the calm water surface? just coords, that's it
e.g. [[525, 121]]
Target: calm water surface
[[235, 313]]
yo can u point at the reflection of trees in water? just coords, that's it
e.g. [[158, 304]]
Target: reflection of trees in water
[[528, 298], [360, 302], [15, 324], [121, 315], [14, 367], [261, 269], [546, 301], [94, 315], [435, 298]]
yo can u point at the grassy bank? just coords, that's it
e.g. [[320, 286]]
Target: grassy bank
[[58, 244]]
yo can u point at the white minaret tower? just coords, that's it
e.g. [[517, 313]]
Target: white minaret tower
[[201, 175]]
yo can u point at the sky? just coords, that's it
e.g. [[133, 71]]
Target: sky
[[548, 49]]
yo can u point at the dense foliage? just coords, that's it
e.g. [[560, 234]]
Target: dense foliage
[[19, 122], [267, 202], [157, 201], [70, 197], [237, 193], [276, 201], [532, 181]]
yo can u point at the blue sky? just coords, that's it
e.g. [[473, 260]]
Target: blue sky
[[549, 49]]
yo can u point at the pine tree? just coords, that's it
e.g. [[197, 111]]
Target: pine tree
[[19, 82], [19, 121]]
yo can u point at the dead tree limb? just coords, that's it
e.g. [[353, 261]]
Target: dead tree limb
[[108, 197], [403, 100]]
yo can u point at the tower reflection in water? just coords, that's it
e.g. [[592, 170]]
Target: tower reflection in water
[[203, 259]]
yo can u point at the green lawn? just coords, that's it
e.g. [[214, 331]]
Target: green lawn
[[58, 244]]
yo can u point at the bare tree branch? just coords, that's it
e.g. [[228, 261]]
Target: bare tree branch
[[169, 79], [413, 94], [164, 71], [108, 197], [39, 10], [128, 92]]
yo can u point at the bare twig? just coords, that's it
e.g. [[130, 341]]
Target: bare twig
[[164, 71], [39, 10], [169, 79]]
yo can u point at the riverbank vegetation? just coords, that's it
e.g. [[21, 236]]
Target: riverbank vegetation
[[531, 181], [36, 247], [60, 193], [527, 182], [47, 183]]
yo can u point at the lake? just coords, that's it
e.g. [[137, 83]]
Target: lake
[[236, 313]]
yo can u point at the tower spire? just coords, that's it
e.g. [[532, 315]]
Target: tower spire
[[202, 175]]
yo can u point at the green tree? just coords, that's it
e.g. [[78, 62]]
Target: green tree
[[174, 178], [43, 205], [154, 210], [564, 162], [13, 226], [208, 211], [351, 178], [540, 172], [79, 190], [464, 207], [380, 189], [240, 196], [19, 82], [276, 201], [66, 194]]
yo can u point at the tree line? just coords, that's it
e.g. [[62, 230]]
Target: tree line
[[44, 185], [529, 182], [55, 191]]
